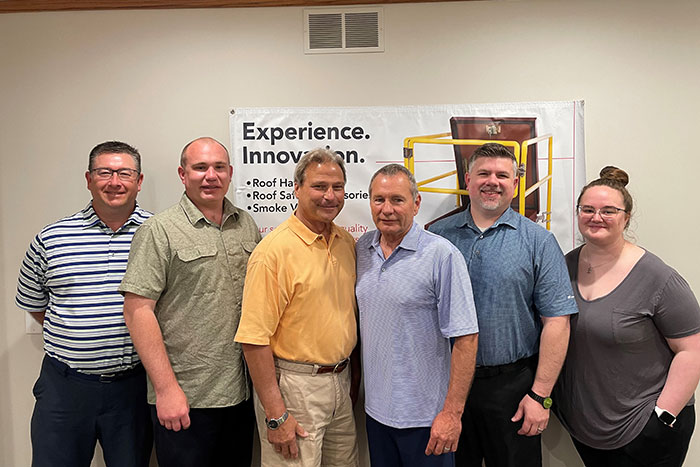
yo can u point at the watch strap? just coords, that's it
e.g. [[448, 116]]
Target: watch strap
[[275, 423], [546, 402], [666, 417]]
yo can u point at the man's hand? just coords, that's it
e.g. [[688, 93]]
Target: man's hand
[[534, 417], [284, 439], [444, 434], [173, 409]]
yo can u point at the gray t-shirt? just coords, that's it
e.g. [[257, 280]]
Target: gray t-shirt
[[618, 358]]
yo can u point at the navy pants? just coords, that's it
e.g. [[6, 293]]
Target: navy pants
[[402, 447], [72, 413], [216, 437], [657, 445]]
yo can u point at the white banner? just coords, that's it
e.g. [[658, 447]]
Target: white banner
[[266, 143]]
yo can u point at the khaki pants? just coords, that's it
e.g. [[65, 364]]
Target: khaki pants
[[321, 404]]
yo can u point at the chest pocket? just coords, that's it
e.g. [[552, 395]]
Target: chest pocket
[[197, 268], [631, 326], [248, 247]]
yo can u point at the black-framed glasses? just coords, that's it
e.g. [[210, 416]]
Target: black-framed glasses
[[125, 174], [606, 212]]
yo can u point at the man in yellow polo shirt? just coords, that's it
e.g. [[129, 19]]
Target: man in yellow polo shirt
[[298, 325]]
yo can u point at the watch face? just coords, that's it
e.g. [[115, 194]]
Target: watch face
[[667, 418], [276, 422], [547, 402]]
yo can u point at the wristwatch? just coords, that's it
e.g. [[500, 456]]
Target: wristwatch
[[665, 416], [545, 401], [275, 423]]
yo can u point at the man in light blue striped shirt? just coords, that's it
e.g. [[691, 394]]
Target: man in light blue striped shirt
[[91, 386], [414, 295]]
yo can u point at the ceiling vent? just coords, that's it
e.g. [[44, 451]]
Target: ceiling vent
[[343, 30]]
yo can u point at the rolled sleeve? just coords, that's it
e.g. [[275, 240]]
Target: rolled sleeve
[[146, 271]]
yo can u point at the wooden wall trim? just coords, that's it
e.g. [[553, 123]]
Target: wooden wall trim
[[12, 6]]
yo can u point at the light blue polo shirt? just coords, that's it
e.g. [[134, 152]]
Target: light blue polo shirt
[[410, 304], [518, 275]]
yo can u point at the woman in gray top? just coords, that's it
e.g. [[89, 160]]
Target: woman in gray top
[[626, 390]]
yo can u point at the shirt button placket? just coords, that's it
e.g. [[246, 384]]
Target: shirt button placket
[[111, 256], [475, 249]]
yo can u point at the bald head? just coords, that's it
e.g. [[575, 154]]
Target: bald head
[[201, 141]]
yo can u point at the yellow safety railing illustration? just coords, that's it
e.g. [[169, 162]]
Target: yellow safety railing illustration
[[519, 150]]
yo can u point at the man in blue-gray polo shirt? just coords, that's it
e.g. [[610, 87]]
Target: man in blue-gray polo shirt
[[523, 300], [92, 386], [414, 295]]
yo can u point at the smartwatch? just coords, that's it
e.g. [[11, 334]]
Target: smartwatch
[[275, 423], [545, 401], [666, 417]]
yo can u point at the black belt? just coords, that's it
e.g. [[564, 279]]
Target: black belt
[[489, 371], [103, 378]]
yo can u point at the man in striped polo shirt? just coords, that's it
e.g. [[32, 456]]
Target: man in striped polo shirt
[[91, 385]]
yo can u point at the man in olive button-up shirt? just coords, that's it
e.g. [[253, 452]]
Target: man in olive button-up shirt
[[183, 289]]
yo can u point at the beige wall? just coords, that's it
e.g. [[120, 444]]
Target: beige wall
[[159, 78]]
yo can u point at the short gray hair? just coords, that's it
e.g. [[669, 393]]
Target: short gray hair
[[318, 156], [395, 169]]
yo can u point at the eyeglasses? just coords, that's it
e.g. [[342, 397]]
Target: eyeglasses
[[606, 212], [125, 174]]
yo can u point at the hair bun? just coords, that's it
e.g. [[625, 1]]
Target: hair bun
[[612, 173]]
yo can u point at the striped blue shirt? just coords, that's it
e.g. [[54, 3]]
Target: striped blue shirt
[[72, 270], [410, 305]]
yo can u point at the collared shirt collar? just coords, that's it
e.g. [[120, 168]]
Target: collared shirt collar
[[408, 242], [509, 218], [90, 217], [194, 215], [305, 233]]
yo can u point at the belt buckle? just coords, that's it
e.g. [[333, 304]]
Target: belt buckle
[[338, 365], [108, 378]]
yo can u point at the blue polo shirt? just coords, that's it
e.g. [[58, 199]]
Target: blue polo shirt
[[518, 275], [72, 270], [410, 304]]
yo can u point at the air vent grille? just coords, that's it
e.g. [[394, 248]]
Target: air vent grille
[[343, 31], [362, 29], [326, 31]]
